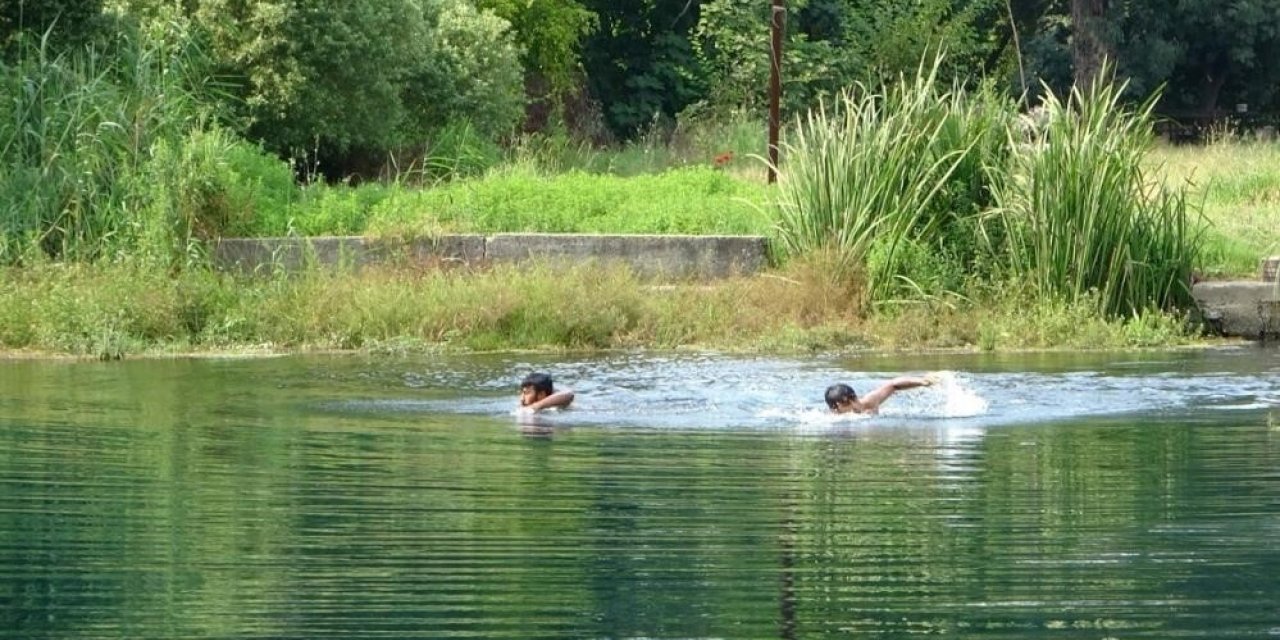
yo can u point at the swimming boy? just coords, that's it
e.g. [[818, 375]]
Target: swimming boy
[[842, 399], [537, 393]]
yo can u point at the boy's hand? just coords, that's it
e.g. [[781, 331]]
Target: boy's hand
[[931, 379]]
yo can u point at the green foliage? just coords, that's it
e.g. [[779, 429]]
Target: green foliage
[[914, 188], [1079, 217], [690, 200], [471, 74], [833, 44], [347, 84], [1208, 56], [550, 35], [640, 63], [206, 186], [902, 168], [77, 132], [458, 150], [352, 60], [338, 210], [65, 22]]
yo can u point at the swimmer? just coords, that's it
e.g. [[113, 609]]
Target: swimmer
[[842, 399], [537, 393]]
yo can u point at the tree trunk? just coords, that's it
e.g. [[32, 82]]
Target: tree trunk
[[1089, 47]]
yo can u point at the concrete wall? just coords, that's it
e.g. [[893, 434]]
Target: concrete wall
[[1242, 309], [648, 255]]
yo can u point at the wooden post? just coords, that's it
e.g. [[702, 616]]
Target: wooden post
[[777, 23]]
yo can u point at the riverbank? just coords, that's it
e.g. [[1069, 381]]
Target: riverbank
[[115, 311]]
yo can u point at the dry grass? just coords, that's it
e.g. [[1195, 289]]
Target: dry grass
[[110, 311]]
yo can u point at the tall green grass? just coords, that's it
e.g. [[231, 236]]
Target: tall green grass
[[80, 132], [1080, 216], [919, 186], [882, 176]]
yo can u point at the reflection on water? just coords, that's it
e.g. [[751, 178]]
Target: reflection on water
[[1106, 496]]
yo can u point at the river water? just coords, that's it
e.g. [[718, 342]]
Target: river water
[[683, 496]]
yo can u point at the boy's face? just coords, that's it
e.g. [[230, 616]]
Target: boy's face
[[845, 405], [529, 395]]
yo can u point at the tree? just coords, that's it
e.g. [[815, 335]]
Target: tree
[[640, 62], [832, 44], [66, 21], [549, 34], [1090, 48], [346, 83]]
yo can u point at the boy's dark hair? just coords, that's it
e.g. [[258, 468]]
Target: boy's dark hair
[[838, 393], [540, 382]]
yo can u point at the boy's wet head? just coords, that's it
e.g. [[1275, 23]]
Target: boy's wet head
[[535, 387], [840, 394]]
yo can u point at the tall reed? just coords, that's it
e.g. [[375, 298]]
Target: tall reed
[[882, 171], [1078, 217], [77, 130]]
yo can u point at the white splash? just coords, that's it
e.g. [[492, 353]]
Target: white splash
[[958, 400]]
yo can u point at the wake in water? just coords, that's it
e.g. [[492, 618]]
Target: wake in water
[[946, 397], [717, 392]]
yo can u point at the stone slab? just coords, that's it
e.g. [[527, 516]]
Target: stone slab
[[1240, 309], [258, 255], [453, 249], [669, 256]]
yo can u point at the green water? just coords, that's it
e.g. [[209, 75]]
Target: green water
[[355, 497]]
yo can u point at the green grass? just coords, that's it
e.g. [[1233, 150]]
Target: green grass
[[1238, 184], [692, 200], [734, 142], [107, 310]]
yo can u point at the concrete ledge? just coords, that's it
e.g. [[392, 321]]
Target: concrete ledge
[[647, 255], [1240, 309], [457, 248], [255, 254]]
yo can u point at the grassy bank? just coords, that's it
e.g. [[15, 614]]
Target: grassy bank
[[910, 216], [110, 311]]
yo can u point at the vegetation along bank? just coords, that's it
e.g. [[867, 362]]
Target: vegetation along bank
[[924, 209]]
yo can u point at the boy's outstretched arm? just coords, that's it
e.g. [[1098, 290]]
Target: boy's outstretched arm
[[557, 399], [872, 400]]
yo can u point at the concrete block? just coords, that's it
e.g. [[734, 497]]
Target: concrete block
[[1270, 268], [1240, 309], [457, 249], [251, 255], [648, 255]]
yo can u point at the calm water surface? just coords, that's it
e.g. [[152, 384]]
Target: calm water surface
[[1034, 496]]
